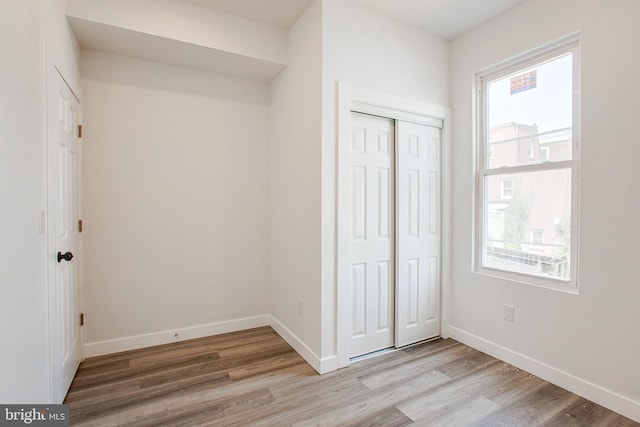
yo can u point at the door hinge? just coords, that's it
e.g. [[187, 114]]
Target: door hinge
[[81, 319], [80, 226], [79, 131]]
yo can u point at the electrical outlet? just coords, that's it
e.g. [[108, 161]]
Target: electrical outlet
[[300, 307], [509, 313]]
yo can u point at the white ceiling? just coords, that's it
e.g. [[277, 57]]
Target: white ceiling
[[445, 18], [277, 13]]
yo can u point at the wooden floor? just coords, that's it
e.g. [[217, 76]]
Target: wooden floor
[[254, 378]]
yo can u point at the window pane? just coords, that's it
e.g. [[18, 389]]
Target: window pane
[[511, 146], [530, 231], [525, 106]]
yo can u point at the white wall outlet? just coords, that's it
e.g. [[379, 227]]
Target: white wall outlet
[[300, 307], [509, 313]]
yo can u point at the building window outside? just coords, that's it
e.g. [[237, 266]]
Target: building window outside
[[507, 189], [544, 154], [536, 238], [530, 147], [530, 104]]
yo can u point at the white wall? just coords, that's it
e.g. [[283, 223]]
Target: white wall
[[585, 342], [295, 161], [176, 201], [365, 48], [24, 25]]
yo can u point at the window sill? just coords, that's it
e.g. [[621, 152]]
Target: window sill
[[568, 287]]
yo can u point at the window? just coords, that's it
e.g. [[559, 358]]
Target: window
[[529, 107], [544, 154], [536, 237], [507, 189]]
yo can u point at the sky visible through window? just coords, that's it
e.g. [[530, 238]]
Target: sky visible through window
[[548, 105]]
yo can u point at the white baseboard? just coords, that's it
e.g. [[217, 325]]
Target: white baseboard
[[100, 348], [322, 366], [174, 335], [600, 395]]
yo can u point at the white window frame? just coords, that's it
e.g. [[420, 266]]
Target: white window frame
[[569, 44]]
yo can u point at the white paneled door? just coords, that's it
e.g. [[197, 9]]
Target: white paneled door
[[63, 150], [372, 233], [395, 233], [418, 235]]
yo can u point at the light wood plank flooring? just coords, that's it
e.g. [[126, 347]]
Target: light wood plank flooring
[[255, 378]]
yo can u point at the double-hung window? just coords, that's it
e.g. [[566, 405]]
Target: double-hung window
[[524, 104]]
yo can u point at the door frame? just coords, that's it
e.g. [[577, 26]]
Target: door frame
[[54, 73], [352, 98]]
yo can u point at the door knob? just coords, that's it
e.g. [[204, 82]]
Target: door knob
[[67, 257]]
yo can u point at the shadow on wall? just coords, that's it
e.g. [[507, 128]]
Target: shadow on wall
[[100, 66]]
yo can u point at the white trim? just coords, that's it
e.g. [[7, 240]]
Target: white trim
[[446, 212], [532, 56], [135, 342], [100, 348], [322, 366], [350, 97], [535, 167], [598, 394], [49, 232], [390, 113]]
